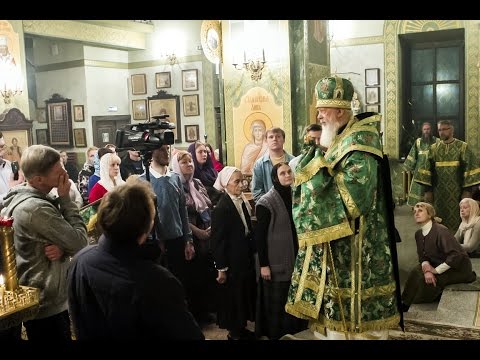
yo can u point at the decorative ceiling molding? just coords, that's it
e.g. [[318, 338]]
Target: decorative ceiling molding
[[357, 41], [87, 32], [412, 26]]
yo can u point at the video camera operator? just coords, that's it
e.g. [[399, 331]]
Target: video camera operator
[[172, 230], [131, 164]]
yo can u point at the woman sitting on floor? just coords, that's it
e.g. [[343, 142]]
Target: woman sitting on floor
[[442, 259]]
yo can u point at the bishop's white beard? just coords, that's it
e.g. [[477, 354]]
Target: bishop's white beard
[[328, 134]]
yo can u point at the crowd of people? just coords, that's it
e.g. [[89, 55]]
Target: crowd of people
[[181, 246]]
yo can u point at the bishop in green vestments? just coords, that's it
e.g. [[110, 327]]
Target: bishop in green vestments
[[343, 278]]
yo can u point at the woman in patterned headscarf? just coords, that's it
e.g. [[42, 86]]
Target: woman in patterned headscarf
[[200, 282]]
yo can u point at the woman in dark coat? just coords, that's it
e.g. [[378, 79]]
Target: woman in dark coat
[[277, 247], [234, 256], [442, 260]]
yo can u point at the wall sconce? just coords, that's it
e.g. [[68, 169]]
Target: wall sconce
[[171, 58], [254, 67], [10, 83]]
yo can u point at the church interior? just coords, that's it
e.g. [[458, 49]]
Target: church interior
[[71, 84]]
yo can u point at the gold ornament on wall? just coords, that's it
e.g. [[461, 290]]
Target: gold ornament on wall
[[211, 38]]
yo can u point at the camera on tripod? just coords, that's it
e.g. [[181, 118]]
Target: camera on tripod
[[147, 136]]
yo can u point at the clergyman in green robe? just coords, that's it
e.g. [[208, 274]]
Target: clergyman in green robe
[[449, 173], [416, 157], [343, 280]]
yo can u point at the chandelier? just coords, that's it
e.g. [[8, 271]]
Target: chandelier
[[253, 66], [11, 81]]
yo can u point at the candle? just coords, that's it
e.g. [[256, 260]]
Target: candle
[[244, 57], [263, 55], [2, 289]]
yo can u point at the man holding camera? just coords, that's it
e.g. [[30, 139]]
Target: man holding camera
[[131, 164], [173, 227]]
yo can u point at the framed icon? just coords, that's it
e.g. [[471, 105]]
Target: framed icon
[[372, 95], [192, 133], [78, 113], [139, 84], [139, 109], [80, 137], [190, 105], [190, 80], [372, 77], [163, 80]]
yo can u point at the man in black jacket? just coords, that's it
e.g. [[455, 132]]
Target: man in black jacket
[[114, 292]]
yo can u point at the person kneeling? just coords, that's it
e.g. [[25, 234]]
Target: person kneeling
[[442, 259]]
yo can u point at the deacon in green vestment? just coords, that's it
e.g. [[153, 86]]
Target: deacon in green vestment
[[416, 157], [343, 279], [448, 173]]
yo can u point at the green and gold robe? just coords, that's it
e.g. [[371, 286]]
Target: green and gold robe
[[343, 278], [449, 169], [416, 157]]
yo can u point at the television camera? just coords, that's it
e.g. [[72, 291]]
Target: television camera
[[146, 137]]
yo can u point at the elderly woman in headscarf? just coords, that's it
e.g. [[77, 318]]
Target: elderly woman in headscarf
[[233, 251], [468, 233], [109, 177], [201, 282], [442, 260], [204, 169]]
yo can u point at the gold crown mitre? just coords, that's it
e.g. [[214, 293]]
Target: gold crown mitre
[[334, 92]]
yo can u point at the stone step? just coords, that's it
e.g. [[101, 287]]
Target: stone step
[[440, 330]]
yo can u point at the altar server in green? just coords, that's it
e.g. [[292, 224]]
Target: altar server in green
[[343, 280], [449, 174], [416, 157]]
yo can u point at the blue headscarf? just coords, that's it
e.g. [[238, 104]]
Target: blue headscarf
[[206, 173]]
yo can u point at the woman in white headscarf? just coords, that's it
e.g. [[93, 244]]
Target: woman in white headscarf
[[468, 233], [109, 177], [233, 251]]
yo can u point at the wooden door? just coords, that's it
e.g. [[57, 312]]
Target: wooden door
[[105, 128]]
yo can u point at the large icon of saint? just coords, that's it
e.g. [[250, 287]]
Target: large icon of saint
[[254, 127]]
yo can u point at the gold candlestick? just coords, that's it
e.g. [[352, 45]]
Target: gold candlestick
[[8, 253]]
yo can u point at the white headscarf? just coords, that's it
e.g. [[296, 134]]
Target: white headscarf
[[224, 177], [466, 227], [222, 180], [105, 179]]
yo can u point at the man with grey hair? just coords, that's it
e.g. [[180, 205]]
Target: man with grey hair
[[340, 214], [47, 233]]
